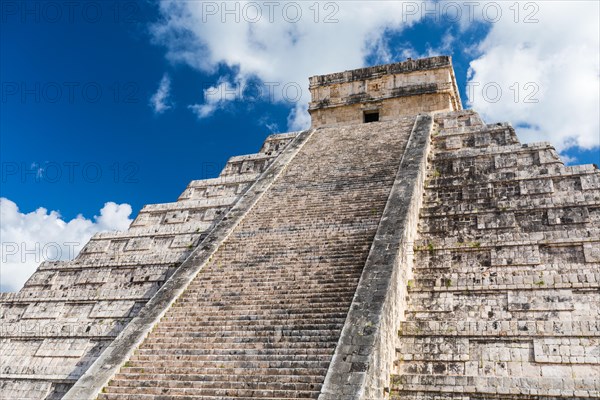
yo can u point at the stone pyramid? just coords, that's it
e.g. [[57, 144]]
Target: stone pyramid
[[401, 248]]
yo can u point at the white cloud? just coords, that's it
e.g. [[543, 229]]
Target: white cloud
[[554, 66], [557, 56], [161, 100], [30, 238], [567, 159], [217, 96], [274, 49]]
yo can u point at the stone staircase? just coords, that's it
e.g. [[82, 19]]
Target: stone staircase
[[68, 312], [504, 301], [262, 318]]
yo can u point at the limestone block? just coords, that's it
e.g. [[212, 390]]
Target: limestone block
[[176, 217], [496, 220], [184, 241], [159, 244], [187, 194], [436, 348], [548, 156], [453, 142], [63, 348], [450, 123], [112, 309], [138, 244], [475, 120], [562, 254], [96, 246], [540, 300], [516, 255], [150, 274], [500, 359], [567, 350], [147, 219], [571, 215], [24, 389], [16, 348], [43, 310], [116, 247], [505, 160], [444, 302], [75, 311], [589, 182], [11, 312], [88, 276], [536, 186], [591, 252], [41, 278], [213, 213], [482, 139], [526, 159]]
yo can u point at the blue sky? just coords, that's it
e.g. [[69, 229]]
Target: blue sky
[[78, 128]]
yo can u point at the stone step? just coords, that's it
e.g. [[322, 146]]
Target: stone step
[[223, 335], [219, 318], [273, 299], [505, 328], [242, 352], [183, 365], [117, 396], [256, 378], [197, 385], [198, 328], [192, 393], [498, 385], [237, 311], [280, 296], [323, 313], [300, 343], [219, 373], [196, 325]]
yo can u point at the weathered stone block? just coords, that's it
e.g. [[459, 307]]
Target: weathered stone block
[[571, 215], [540, 300], [590, 182], [111, 309], [62, 348], [591, 252], [536, 186], [516, 255]]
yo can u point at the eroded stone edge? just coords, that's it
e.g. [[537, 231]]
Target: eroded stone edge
[[91, 383], [362, 363]]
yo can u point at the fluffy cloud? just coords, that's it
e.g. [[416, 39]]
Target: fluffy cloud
[[542, 55], [160, 101], [280, 45], [28, 239], [541, 72], [217, 96]]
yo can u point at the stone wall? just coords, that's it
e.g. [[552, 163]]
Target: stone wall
[[394, 90], [504, 301], [428, 100]]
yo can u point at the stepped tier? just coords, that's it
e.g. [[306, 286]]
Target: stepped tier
[[69, 312], [504, 299]]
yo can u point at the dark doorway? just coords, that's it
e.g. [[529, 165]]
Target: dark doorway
[[371, 116]]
